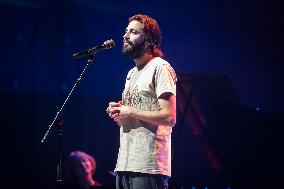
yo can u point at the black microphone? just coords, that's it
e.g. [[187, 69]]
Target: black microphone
[[91, 51]]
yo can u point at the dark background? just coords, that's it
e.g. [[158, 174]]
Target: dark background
[[239, 43]]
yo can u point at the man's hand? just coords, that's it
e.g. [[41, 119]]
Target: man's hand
[[117, 111], [112, 108], [166, 115]]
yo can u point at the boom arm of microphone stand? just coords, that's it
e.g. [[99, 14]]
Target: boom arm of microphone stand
[[59, 179]]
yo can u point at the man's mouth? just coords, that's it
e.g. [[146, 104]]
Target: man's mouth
[[126, 43]]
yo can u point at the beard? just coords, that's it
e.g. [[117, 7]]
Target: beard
[[133, 50]]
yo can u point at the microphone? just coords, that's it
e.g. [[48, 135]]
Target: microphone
[[91, 51]]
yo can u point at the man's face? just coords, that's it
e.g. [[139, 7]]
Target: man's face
[[133, 40]]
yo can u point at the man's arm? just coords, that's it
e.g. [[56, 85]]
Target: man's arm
[[165, 116]]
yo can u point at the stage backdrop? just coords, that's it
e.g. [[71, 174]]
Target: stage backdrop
[[37, 39]]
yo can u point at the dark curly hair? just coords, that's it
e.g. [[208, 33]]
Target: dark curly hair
[[152, 32]]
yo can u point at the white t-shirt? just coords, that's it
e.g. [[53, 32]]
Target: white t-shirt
[[144, 147]]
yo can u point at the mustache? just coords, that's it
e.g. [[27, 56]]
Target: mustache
[[126, 41]]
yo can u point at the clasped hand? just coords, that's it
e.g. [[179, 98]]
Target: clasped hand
[[117, 111]]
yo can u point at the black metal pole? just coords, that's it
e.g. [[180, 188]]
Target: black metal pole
[[58, 115], [59, 178]]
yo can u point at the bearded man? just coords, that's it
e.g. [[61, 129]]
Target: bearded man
[[147, 111]]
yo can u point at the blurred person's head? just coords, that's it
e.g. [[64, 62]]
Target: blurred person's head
[[80, 169]]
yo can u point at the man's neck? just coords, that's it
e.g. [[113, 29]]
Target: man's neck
[[143, 60]]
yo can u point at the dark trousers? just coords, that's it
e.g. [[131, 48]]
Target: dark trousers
[[132, 180]]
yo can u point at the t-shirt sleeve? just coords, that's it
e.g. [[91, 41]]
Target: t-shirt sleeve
[[165, 80]]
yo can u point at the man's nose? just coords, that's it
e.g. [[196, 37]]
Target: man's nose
[[126, 35]]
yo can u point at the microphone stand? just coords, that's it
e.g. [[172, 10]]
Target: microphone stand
[[59, 123]]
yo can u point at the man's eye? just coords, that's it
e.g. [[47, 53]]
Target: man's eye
[[132, 31]]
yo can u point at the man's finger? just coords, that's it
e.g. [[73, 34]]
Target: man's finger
[[115, 115], [113, 104]]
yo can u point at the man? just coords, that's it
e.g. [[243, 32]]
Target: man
[[147, 112]]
